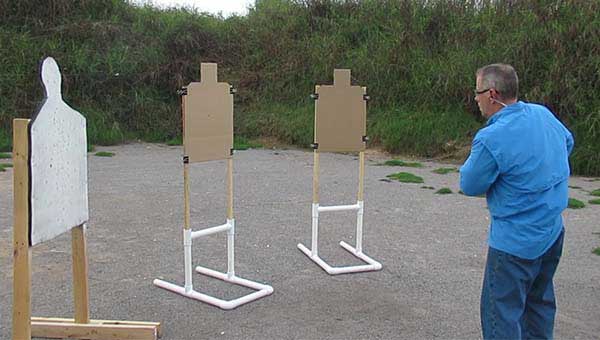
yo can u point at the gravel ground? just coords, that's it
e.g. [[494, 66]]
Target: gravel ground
[[432, 248]]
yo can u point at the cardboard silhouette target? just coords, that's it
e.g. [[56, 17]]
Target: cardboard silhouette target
[[340, 115], [208, 118], [208, 135], [340, 125], [58, 163], [50, 198]]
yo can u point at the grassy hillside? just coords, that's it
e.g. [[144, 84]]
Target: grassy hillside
[[122, 65]]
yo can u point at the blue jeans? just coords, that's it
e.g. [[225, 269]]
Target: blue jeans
[[517, 298]]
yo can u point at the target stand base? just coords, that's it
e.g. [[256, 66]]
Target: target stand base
[[371, 265], [261, 289]]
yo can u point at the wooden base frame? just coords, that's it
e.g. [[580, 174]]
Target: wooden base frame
[[94, 329], [80, 327]]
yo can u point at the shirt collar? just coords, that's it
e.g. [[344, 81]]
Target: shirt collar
[[505, 111]]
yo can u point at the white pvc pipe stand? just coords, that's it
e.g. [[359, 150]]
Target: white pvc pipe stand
[[188, 289], [188, 236], [313, 254]]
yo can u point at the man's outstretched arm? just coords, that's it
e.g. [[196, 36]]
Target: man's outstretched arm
[[479, 171]]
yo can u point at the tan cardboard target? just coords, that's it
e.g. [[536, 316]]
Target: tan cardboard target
[[340, 115], [208, 117]]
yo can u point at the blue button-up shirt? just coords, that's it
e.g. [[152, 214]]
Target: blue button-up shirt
[[520, 161]]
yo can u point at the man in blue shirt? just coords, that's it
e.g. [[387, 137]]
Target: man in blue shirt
[[519, 160]]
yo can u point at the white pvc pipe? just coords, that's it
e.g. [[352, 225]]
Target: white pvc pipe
[[371, 266], [187, 250], [188, 291], [212, 230], [359, 226], [315, 228], [230, 248], [374, 264], [223, 304], [339, 208], [234, 279]]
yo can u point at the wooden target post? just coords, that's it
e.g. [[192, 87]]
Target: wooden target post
[[50, 198], [207, 110], [340, 126]]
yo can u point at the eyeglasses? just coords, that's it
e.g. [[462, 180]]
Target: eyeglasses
[[482, 91]]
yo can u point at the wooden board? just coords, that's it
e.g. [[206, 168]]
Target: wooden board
[[156, 325], [340, 115], [208, 118], [95, 330], [21, 251], [80, 275], [57, 163]]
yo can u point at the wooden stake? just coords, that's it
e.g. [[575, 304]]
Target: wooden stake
[[316, 177], [186, 194], [361, 175], [183, 123], [80, 275], [230, 188], [316, 159], [21, 326], [186, 173]]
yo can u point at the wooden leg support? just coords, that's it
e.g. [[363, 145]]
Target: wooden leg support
[[59, 328]]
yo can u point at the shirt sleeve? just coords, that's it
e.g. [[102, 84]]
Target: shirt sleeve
[[479, 171], [570, 142]]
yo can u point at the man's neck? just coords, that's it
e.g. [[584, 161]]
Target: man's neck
[[502, 104]]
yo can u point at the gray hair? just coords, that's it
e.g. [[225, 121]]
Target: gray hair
[[501, 77]]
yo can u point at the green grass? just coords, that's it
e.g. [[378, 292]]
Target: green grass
[[399, 162], [4, 155], [594, 201], [122, 64], [575, 203], [175, 141], [443, 171], [427, 187], [444, 191], [409, 130], [241, 143], [3, 166], [595, 192], [103, 127], [406, 177], [5, 140], [574, 187], [104, 154], [596, 251], [291, 124]]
